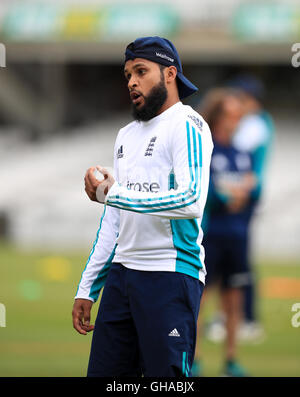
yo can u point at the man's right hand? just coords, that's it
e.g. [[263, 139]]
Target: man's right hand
[[81, 314], [238, 200], [95, 189]]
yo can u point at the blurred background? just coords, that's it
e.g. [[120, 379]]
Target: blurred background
[[63, 98]]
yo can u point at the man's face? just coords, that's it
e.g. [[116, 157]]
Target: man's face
[[230, 116], [228, 120], [146, 86]]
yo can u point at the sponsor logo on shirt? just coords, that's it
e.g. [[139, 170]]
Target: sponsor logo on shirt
[[153, 187]]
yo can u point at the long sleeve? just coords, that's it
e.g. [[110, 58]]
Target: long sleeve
[[101, 256], [191, 154]]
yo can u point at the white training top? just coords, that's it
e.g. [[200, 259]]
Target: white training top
[[251, 133], [153, 212]]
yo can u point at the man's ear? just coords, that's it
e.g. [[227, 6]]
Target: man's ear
[[171, 73]]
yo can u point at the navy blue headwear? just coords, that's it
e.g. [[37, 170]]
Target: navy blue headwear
[[250, 84], [162, 51]]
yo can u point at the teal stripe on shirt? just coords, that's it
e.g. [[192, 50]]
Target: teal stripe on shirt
[[189, 191], [185, 235], [194, 181], [179, 206], [173, 195], [99, 282], [154, 210], [94, 246]]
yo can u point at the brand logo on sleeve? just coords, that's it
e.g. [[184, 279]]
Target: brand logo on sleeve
[[197, 121]]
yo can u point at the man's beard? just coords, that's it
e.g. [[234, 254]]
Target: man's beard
[[152, 103]]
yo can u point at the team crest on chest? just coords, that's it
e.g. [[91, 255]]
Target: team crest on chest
[[150, 147]]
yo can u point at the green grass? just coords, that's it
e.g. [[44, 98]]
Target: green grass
[[39, 339], [279, 353]]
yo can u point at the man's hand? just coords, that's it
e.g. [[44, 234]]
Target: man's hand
[[238, 200], [240, 193], [81, 314], [95, 189]]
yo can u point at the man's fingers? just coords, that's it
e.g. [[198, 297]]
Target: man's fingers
[[78, 315], [88, 328], [91, 192], [97, 189], [83, 329], [77, 324], [90, 177], [86, 316], [89, 171], [91, 183], [87, 179], [88, 186], [103, 171], [81, 316]]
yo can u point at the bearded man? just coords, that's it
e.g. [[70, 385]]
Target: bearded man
[[148, 250]]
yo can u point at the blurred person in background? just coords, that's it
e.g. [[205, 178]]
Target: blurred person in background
[[254, 134], [231, 200]]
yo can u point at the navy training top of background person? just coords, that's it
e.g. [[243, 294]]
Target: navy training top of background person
[[228, 166]]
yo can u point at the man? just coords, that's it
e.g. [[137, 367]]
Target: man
[[255, 135], [148, 248], [231, 200]]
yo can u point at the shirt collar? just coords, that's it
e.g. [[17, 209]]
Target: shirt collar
[[163, 115]]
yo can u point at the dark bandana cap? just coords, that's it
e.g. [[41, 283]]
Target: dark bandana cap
[[162, 51]]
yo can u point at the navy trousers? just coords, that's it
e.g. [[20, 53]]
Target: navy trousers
[[146, 324]]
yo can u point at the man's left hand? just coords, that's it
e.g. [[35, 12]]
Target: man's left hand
[[95, 189]]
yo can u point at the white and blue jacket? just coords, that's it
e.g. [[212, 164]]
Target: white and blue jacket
[[153, 212]]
